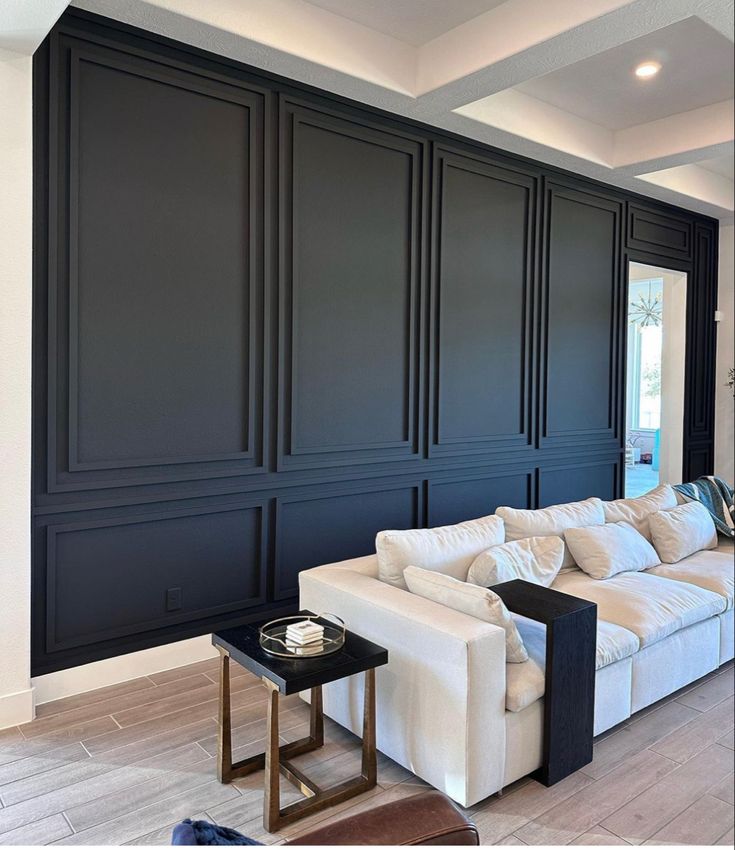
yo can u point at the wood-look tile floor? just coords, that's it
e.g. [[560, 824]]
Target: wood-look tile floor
[[123, 764]]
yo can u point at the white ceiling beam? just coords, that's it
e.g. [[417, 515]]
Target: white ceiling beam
[[25, 23], [530, 118], [676, 140], [695, 182], [515, 40]]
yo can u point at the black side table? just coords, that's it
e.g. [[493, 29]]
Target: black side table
[[569, 699], [289, 676]]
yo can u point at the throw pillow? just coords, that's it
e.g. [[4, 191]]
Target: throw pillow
[[636, 512], [475, 601], [552, 521], [448, 549], [605, 550], [535, 559], [682, 531]]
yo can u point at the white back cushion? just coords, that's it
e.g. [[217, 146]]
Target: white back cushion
[[535, 559], [552, 521], [637, 511], [605, 550], [448, 549], [682, 531], [469, 599]]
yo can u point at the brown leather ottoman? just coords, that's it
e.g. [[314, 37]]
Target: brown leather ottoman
[[429, 818]]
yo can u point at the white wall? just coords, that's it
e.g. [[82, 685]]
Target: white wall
[[724, 427], [671, 450], [15, 386]]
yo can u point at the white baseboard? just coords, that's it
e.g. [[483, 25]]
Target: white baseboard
[[112, 671], [16, 708]]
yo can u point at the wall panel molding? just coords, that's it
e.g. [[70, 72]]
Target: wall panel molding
[[366, 257], [582, 321], [194, 548], [353, 514], [566, 482], [74, 281], [269, 322], [482, 305], [701, 352], [468, 495], [658, 233]]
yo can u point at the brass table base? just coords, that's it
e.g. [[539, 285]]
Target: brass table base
[[275, 759]]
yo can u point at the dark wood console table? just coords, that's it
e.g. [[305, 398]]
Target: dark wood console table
[[569, 700]]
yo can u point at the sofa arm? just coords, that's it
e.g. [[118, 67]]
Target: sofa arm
[[422, 819], [441, 697]]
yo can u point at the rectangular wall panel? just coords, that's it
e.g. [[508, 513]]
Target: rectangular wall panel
[[582, 321], [657, 233], [698, 461], [351, 229], [157, 300], [576, 481], [701, 338], [459, 498], [312, 529], [484, 222], [108, 578]]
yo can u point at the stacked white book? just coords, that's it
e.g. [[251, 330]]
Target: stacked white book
[[304, 633]]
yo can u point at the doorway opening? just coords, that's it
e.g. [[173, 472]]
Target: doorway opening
[[654, 377]]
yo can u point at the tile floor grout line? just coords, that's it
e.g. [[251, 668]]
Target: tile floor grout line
[[111, 769], [63, 815], [174, 710], [148, 805], [672, 819], [143, 691]]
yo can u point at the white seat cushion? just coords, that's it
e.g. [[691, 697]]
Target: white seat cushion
[[712, 570], [650, 606], [525, 683], [614, 643]]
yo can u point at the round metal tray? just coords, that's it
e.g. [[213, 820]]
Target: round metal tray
[[273, 637]]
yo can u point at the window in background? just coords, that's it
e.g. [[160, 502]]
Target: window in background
[[645, 340], [655, 376]]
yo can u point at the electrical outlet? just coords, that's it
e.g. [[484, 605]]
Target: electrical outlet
[[173, 599]]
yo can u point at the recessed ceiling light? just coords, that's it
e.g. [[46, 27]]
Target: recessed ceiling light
[[646, 70]]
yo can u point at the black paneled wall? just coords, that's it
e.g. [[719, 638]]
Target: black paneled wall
[[269, 323]]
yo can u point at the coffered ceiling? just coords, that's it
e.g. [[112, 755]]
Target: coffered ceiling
[[550, 79], [696, 70], [412, 21]]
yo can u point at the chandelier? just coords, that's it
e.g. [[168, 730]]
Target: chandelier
[[646, 311]]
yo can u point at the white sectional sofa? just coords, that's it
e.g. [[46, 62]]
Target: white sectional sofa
[[449, 707]]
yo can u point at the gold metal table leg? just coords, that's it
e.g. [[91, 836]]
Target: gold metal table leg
[[272, 796], [275, 759]]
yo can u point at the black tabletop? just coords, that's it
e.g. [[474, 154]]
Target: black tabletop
[[292, 675]]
